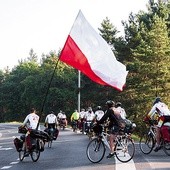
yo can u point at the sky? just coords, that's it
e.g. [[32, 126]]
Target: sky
[[43, 25]]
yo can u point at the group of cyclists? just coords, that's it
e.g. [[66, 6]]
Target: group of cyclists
[[86, 118]]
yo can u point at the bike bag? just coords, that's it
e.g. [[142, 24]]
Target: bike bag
[[18, 144], [165, 131]]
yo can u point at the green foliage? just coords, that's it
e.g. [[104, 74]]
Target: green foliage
[[52, 85]]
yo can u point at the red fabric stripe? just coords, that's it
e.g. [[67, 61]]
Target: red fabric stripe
[[73, 56]]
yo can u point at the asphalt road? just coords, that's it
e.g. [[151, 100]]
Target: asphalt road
[[68, 152]]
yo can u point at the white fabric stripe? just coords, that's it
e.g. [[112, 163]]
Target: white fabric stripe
[[98, 53]]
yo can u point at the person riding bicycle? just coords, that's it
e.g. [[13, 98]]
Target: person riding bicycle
[[163, 112], [113, 115], [51, 122], [89, 119], [81, 120], [98, 113], [31, 122], [75, 118]]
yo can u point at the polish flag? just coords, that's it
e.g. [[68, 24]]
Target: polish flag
[[88, 52]]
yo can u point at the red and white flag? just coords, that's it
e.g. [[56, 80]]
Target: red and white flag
[[88, 52]]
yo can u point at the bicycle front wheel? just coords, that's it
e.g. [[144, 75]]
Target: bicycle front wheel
[[22, 154], [124, 149], [146, 143], [95, 150]]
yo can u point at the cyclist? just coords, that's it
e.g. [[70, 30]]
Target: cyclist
[[162, 110], [89, 118], [98, 113], [62, 118], [51, 122], [121, 110], [74, 118], [113, 115], [31, 121], [81, 119]]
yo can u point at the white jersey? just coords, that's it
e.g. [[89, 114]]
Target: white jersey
[[32, 119], [51, 118], [99, 114], [82, 114], [89, 116], [60, 115], [160, 108], [122, 112]]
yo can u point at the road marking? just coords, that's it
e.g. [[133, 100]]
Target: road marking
[[0, 134], [12, 163], [129, 165], [6, 167], [5, 149]]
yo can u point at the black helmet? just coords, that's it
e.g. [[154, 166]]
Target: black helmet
[[158, 99], [110, 103], [99, 108], [118, 104]]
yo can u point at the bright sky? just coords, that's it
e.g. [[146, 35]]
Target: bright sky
[[45, 24]]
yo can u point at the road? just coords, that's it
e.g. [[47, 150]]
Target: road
[[68, 152]]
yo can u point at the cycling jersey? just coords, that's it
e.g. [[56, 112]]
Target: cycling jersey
[[122, 112], [75, 116], [32, 119], [89, 116], [99, 114], [51, 118]]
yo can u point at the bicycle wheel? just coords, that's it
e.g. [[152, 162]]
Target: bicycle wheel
[[146, 143], [124, 149], [166, 147], [22, 153], [95, 150], [35, 154]]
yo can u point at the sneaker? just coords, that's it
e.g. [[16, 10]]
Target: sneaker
[[157, 148], [110, 155]]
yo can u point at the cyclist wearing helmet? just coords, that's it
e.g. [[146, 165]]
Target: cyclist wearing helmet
[[113, 116], [163, 112], [99, 113], [121, 110], [51, 122]]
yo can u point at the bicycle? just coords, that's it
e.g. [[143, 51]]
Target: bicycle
[[34, 142], [148, 140], [124, 146]]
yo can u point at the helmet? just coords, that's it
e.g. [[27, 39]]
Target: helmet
[[158, 99], [110, 103], [99, 108], [118, 104]]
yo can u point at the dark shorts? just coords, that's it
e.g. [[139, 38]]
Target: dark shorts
[[114, 130]]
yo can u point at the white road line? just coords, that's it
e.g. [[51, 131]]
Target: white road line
[[6, 167], [129, 165], [5, 149], [13, 163]]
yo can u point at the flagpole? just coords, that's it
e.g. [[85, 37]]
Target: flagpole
[[79, 84]]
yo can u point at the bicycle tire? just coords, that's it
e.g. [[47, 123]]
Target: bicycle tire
[[146, 143], [95, 150], [35, 154], [166, 147], [22, 154], [124, 149]]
